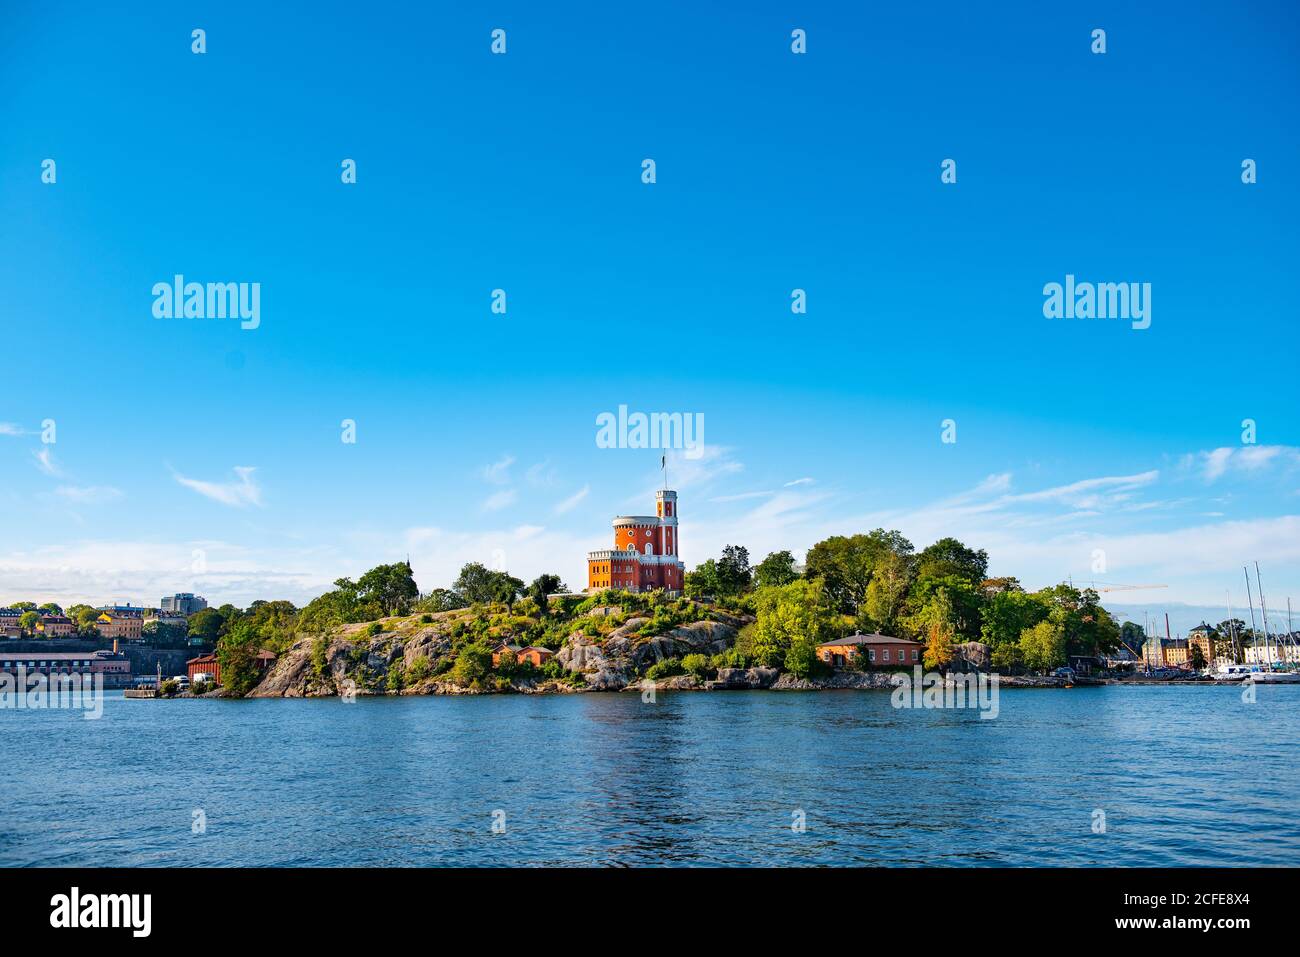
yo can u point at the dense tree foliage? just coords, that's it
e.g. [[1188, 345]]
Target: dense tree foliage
[[237, 654], [777, 569], [791, 621], [940, 596]]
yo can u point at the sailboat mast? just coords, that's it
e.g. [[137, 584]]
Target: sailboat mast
[[1290, 633], [1254, 630], [1232, 632], [1263, 610]]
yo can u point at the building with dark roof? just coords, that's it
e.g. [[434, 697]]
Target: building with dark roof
[[881, 651]]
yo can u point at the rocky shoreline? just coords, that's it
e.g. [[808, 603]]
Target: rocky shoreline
[[606, 649]]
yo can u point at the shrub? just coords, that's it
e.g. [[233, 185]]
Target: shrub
[[419, 669], [472, 664], [733, 657], [169, 687], [374, 628], [664, 669], [426, 619], [664, 618], [396, 676], [320, 656], [697, 665]]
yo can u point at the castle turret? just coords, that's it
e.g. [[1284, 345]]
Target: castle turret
[[644, 556], [666, 507]]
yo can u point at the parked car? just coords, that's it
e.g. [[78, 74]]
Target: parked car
[[1064, 673]]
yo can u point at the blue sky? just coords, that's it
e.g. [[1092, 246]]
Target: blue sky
[[475, 432]]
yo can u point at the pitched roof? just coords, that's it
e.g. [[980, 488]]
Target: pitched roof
[[871, 639]]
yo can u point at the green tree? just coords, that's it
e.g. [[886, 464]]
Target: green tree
[[237, 655], [1007, 656], [939, 630], [541, 590], [1008, 613], [391, 587], [1043, 646], [480, 584], [50, 608], [962, 604], [1197, 657], [1225, 631], [734, 573], [791, 621], [476, 582], [845, 564], [775, 570], [947, 557], [442, 599], [507, 663], [276, 623], [506, 589], [1088, 629], [703, 582], [28, 620], [229, 616], [86, 618], [206, 625], [472, 664], [887, 594], [164, 635]]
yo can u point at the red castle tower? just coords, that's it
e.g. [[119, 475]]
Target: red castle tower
[[644, 556]]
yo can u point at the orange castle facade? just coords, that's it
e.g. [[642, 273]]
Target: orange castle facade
[[644, 556]]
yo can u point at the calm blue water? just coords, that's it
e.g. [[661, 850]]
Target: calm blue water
[[1184, 775]]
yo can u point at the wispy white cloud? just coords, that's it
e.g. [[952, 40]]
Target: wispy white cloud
[[499, 500], [242, 492], [742, 496], [541, 475], [498, 473], [798, 481], [1216, 463], [88, 494], [570, 503], [9, 428], [45, 461], [1090, 493]]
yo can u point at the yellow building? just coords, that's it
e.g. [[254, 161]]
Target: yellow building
[[1202, 636], [112, 625], [1165, 653]]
